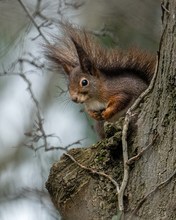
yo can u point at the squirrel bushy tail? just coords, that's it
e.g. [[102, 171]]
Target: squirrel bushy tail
[[108, 61]]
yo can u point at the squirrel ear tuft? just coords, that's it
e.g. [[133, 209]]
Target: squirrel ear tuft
[[67, 68], [84, 60]]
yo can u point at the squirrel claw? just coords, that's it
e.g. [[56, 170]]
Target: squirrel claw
[[96, 115]]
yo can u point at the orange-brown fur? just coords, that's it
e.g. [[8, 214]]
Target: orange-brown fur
[[115, 78]]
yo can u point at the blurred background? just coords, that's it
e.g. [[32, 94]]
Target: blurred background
[[37, 119]]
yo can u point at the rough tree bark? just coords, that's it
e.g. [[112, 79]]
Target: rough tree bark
[[79, 192], [157, 119]]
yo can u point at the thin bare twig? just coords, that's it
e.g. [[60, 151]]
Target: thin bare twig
[[39, 115], [75, 5], [105, 32], [133, 159], [94, 171], [33, 21], [124, 138], [8, 73], [164, 8], [66, 148], [33, 63]]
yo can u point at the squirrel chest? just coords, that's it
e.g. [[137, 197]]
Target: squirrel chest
[[95, 105]]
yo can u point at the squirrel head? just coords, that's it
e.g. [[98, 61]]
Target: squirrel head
[[82, 79]]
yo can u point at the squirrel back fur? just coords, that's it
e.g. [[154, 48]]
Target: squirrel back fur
[[106, 81]]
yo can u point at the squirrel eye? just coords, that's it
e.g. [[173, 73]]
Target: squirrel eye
[[84, 82]]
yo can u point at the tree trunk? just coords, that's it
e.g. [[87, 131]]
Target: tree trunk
[[157, 117], [79, 192]]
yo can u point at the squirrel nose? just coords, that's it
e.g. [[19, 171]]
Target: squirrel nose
[[74, 99]]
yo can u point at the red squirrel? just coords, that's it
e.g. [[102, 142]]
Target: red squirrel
[[106, 81]]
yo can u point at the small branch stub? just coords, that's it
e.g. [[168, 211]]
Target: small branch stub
[[84, 183]]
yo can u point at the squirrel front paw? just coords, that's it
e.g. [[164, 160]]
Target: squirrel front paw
[[107, 114], [97, 115]]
